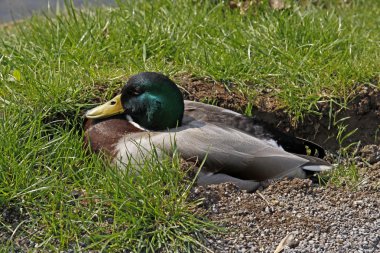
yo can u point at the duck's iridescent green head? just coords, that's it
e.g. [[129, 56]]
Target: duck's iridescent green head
[[151, 99]]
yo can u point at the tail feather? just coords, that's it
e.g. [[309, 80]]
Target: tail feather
[[315, 164], [315, 149], [317, 168]]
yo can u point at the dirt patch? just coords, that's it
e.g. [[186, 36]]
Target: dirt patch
[[322, 219], [209, 91], [362, 112], [370, 153], [11, 216]]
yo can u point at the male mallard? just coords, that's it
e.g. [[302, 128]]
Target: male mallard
[[151, 111]]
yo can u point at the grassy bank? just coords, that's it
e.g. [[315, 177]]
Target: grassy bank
[[55, 195]]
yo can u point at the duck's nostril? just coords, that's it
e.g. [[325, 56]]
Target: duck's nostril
[[113, 102]]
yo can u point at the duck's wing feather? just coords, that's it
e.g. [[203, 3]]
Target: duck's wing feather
[[228, 151], [236, 153], [252, 126]]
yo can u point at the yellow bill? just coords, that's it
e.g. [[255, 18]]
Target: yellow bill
[[108, 109]]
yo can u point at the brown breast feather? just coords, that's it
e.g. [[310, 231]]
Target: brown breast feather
[[102, 135]]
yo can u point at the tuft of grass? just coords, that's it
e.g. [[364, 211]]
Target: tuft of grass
[[54, 195], [346, 171]]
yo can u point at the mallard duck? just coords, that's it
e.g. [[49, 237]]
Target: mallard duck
[[150, 111]]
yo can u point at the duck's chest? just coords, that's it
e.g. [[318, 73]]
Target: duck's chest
[[103, 135]]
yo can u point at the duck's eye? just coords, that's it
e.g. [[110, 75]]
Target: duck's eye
[[133, 91]]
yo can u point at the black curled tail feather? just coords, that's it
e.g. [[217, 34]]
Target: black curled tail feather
[[315, 149]]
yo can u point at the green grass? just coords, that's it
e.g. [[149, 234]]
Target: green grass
[[51, 69], [346, 172], [64, 197]]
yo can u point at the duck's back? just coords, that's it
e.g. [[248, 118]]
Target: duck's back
[[252, 126]]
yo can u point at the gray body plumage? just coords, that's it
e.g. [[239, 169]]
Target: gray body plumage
[[242, 156]]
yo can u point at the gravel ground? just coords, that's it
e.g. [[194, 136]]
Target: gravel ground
[[315, 218]]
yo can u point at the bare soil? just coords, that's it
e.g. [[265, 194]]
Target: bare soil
[[321, 219]]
